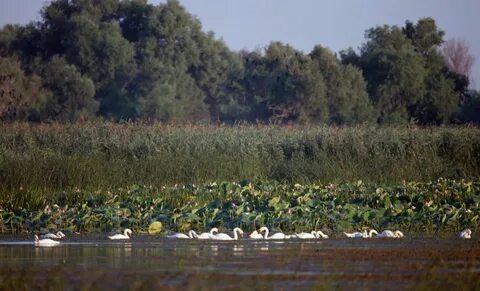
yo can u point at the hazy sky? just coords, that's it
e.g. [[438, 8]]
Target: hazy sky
[[337, 24]]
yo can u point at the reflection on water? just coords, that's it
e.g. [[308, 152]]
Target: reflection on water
[[214, 250], [153, 262]]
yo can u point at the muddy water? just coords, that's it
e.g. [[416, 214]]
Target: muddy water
[[150, 262]]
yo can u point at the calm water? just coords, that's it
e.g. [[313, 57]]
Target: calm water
[[153, 262]]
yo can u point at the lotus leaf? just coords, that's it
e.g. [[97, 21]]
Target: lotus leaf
[[155, 227]]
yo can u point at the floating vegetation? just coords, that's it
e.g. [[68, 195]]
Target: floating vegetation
[[441, 205], [155, 227]]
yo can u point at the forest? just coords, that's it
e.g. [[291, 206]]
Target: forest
[[127, 60]]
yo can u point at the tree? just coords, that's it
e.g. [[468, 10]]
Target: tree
[[440, 101], [425, 35], [348, 101], [407, 81], [457, 56], [394, 71], [470, 110], [167, 84], [20, 94], [215, 65], [283, 86], [128, 59], [72, 94]]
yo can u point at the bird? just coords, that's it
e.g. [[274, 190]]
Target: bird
[[191, 234], [370, 233], [256, 235], [389, 233], [356, 234], [277, 235], [466, 234], [320, 234], [57, 235], [207, 235], [125, 234], [224, 236], [45, 242], [306, 235]]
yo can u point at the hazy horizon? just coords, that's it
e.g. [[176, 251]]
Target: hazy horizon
[[251, 24]]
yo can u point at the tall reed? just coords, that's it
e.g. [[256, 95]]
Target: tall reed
[[93, 156]]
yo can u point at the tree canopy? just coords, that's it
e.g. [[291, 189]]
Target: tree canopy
[[130, 60]]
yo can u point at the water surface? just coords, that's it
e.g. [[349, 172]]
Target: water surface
[[148, 262]]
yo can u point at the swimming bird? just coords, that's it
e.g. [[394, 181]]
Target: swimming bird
[[207, 235], [224, 236], [306, 235], [125, 234], [191, 234], [45, 242], [278, 235], [356, 234], [256, 235], [320, 234], [466, 234], [389, 233], [57, 235], [370, 233]]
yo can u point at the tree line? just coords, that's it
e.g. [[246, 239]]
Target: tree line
[[130, 60]]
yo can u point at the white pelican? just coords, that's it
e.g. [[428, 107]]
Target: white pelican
[[256, 235], [278, 235], [356, 234], [45, 242], [306, 235], [320, 234], [125, 234], [207, 235], [224, 236], [466, 234], [57, 235], [389, 233], [191, 234]]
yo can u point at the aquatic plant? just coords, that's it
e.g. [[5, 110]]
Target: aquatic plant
[[439, 205]]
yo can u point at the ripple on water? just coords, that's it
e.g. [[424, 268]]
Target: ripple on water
[[156, 262]]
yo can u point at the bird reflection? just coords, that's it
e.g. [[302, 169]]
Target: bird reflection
[[238, 250]]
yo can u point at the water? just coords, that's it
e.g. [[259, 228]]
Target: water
[[153, 262]]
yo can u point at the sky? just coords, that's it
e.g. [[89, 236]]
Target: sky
[[336, 24]]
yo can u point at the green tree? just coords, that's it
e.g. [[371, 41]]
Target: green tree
[[440, 101], [470, 109], [215, 65], [348, 101], [283, 86], [72, 94], [394, 71], [20, 94]]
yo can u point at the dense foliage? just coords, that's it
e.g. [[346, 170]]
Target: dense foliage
[[129, 60], [441, 205], [51, 158]]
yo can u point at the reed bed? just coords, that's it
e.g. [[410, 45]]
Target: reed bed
[[49, 158]]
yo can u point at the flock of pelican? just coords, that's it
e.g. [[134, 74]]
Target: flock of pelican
[[263, 233]]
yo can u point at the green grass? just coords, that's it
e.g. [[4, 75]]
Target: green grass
[[50, 158]]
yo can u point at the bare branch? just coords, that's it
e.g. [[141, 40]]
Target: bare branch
[[457, 56]]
